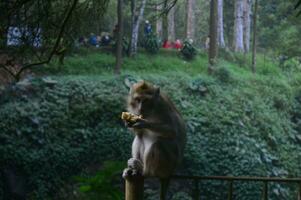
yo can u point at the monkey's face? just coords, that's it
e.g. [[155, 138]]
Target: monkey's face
[[143, 99]]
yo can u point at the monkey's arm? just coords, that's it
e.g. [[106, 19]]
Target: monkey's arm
[[161, 129]]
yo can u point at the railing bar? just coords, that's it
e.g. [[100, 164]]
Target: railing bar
[[230, 192], [196, 192], [299, 194], [265, 191], [242, 178]]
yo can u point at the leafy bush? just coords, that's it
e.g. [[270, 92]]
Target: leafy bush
[[292, 64], [100, 186], [188, 51], [151, 44], [223, 74]]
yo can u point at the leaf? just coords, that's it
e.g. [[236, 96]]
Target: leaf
[[85, 188]]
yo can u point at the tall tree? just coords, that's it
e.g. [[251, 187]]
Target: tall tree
[[247, 24], [37, 58], [165, 21], [190, 19], [220, 27], [254, 37], [159, 20], [238, 41], [119, 37], [213, 35], [137, 15], [171, 24]]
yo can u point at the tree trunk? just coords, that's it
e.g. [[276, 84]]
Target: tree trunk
[[159, 21], [190, 17], [135, 25], [247, 25], [238, 41], [171, 24], [254, 37], [165, 21], [213, 35], [119, 37], [220, 27]]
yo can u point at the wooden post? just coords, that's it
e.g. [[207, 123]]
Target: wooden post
[[134, 187]]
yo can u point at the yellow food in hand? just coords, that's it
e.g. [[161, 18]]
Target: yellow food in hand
[[130, 117]]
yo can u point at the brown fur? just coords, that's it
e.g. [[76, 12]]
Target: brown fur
[[160, 140]]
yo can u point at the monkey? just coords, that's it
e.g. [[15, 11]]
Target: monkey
[[160, 134]]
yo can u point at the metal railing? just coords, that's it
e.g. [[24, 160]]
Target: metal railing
[[231, 180], [134, 186]]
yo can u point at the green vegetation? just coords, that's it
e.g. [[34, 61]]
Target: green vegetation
[[100, 185], [188, 51], [239, 123], [151, 44]]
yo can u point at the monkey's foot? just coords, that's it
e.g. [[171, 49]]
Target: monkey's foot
[[129, 172], [136, 164]]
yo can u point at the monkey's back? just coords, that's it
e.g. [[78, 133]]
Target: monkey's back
[[164, 154]]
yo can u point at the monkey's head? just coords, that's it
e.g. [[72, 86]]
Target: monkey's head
[[143, 98]]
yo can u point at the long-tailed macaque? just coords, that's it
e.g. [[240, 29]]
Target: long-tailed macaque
[[160, 134]]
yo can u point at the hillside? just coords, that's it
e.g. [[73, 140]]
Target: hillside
[[238, 123]]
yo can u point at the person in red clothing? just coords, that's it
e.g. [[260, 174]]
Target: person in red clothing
[[178, 44], [167, 45]]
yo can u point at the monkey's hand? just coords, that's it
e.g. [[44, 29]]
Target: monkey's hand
[[140, 124]]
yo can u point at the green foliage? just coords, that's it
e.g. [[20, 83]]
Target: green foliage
[[292, 64], [100, 186], [238, 123], [188, 51], [151, 44], [181, 196], [238, 128], [62, 129], [279, 28], [223, 74]]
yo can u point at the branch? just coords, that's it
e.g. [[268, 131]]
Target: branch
[[165, 10], [58, 39]]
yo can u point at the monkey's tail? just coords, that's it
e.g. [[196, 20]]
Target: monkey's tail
[[164, 183]]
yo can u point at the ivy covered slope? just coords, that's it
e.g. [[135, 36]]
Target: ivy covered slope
[[51, 129]]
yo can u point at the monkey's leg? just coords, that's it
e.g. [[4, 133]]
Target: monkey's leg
[[164, 182], [135, 165]]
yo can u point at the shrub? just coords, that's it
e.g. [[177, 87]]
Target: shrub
[[101, 186], [188, 51], [151, 44]]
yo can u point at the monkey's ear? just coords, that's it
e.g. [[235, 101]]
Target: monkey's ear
[[129, 81]]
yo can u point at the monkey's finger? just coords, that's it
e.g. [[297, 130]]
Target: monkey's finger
[[128, 124], [139, 125]]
